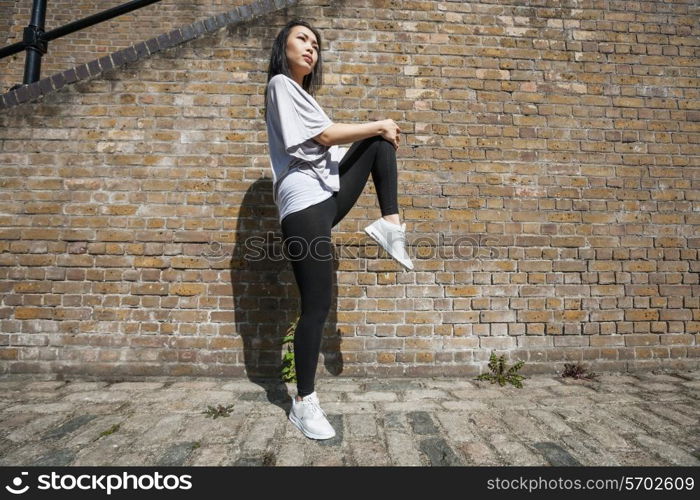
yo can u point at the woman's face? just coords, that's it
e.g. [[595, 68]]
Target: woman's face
[[302, 51]]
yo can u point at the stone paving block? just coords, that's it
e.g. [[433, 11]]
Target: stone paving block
[[536, 382], [135, 386], [478, 453], [176, 454], [614, 378], [574, 444], [369, 452], [346, 408], [438, 452], [391, 385], [66, 428], [42, 408], [90, 432], [615, 398], [487, 422], [570, 390], [607, 438], [256, 433], [202, 385], [44, 385], [12, 421], [672, 454], [31, 396], [621, 388], [208, 430], [394, 420], [565, 402], [515, 403], [478, 394], [513, 452], [83, 386], [362, 425], [55, 457], [571, 414], [448, 385], [690, 409], [613, 417], [419, 394], [33, 429], [371, 396], [161, 430], [637, 458], [8, 386], [658, 387], [551, 422], [402, 449], [109, 450], [647, 420], [215, 455], [22, 456], [654, 378], [669, 412], [465, 405], [335, 385], [406, 406], [329, 459], [555, 455], [240, 385], [456, 425], [98, 396], [420, 422], [290, 453], [521, 425]]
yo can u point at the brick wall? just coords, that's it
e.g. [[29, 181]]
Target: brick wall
[[95, 41], [549, 182]]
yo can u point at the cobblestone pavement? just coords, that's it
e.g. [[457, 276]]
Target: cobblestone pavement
[[618, 419]]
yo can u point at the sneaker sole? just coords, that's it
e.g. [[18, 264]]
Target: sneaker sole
[[309, 434], [380, 239]]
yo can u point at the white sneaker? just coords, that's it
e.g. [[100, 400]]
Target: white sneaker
[[392, 238], [308, 416]]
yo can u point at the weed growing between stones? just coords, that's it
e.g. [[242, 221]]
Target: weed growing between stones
[[218, 411], [577, 371], [501, 374]]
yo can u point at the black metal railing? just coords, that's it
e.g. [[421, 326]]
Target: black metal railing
[[35, 40]]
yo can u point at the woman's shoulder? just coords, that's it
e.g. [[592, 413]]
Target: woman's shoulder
[[280, 79]]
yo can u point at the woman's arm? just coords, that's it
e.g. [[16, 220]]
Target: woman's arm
[[342, 133]]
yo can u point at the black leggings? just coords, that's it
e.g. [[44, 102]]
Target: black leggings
[[307, 244]]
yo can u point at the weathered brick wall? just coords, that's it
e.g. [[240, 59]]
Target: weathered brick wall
[[549, 182], [95, 41]]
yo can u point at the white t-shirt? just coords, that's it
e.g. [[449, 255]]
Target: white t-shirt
[[304, 172]]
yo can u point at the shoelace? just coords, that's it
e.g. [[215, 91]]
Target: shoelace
[[315, 408]]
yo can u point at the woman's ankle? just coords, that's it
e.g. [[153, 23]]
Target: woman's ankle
[[393, 218]]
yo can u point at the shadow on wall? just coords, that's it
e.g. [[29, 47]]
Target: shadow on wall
[[266, 297]]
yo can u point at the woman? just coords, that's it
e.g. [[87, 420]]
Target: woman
[[315, 184]]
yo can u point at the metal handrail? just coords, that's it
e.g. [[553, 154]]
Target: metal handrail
[[35, 40]]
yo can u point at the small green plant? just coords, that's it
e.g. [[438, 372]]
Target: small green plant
[[109, 431], [218, 411], [577, 371], [288, 372], [500, 374]]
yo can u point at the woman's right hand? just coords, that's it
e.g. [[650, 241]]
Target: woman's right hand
[[390, 132]]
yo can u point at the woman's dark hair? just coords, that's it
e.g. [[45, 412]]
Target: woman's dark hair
[[278, 60]]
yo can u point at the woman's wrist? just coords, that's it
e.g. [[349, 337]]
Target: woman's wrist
[[381, 127]]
